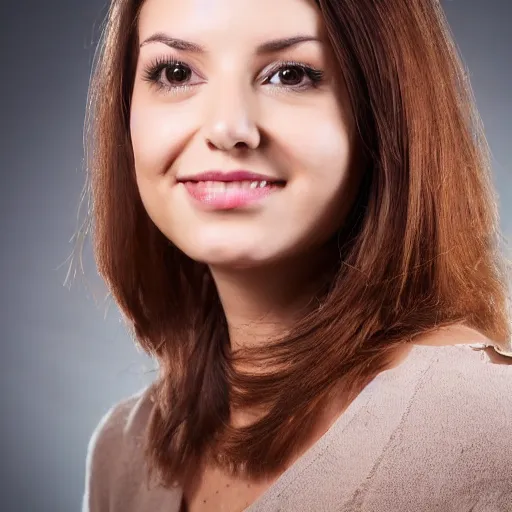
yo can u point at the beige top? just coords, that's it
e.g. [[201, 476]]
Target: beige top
[[434, 433]]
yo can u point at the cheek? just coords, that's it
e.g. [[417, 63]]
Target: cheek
[[323, 149], [157, 134]]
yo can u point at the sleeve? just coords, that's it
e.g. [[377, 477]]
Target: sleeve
[[102, 449], [111, 452]]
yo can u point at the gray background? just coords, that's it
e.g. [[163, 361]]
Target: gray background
[[64, 361]]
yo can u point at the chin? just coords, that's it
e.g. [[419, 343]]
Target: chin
[[213, 246], [234, 260], [228, 256]]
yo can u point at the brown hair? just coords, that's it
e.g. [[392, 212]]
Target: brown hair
[[419, 250]]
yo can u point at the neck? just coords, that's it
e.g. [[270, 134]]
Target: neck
[[265, 301], [262, 303]]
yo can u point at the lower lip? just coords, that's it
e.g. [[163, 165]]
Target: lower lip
[[231, 197]]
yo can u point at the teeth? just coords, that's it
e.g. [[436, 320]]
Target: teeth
[[220, 186]]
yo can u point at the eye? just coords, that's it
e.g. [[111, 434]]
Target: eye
[[177, 73], [288, 76], [168, 74], [294, 75]]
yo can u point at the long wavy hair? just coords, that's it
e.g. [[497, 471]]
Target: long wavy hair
[[419, 250]]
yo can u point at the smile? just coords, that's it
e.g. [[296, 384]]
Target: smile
[[225, 195]]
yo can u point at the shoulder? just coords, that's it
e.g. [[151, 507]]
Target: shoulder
[[115, 447], [469, 382], [124, 422], [451, 435], [460, 390], [459, 421], [478, 365]]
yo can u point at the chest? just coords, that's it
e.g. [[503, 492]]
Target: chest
[[213, 490]]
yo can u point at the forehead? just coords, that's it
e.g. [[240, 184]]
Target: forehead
[[229, 20]]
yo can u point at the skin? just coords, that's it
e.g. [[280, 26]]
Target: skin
[[264, 258]]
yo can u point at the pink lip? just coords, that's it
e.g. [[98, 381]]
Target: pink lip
[[234, 196], [239, 175]]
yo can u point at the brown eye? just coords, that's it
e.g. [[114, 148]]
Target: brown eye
[[291, 75], [294, 76], [177, 73]]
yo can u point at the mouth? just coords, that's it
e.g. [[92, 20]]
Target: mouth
[[226, 195], [229, 177], [221, 186]]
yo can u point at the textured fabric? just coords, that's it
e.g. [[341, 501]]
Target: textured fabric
[[432, 434]]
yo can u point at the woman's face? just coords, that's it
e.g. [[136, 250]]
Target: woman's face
[[235, 96]]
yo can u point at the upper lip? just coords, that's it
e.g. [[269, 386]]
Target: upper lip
[[238, 175]]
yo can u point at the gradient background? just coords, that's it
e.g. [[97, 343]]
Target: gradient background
[[64, 361]]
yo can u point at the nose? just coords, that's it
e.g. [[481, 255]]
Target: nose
[[231, 123]]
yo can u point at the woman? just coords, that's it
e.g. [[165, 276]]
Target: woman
[[293, 209]]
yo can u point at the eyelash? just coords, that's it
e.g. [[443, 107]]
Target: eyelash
[[153, 72]]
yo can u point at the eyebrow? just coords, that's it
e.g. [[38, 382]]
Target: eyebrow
[[273, 46]]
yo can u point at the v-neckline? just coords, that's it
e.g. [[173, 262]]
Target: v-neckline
[[371, 391]]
